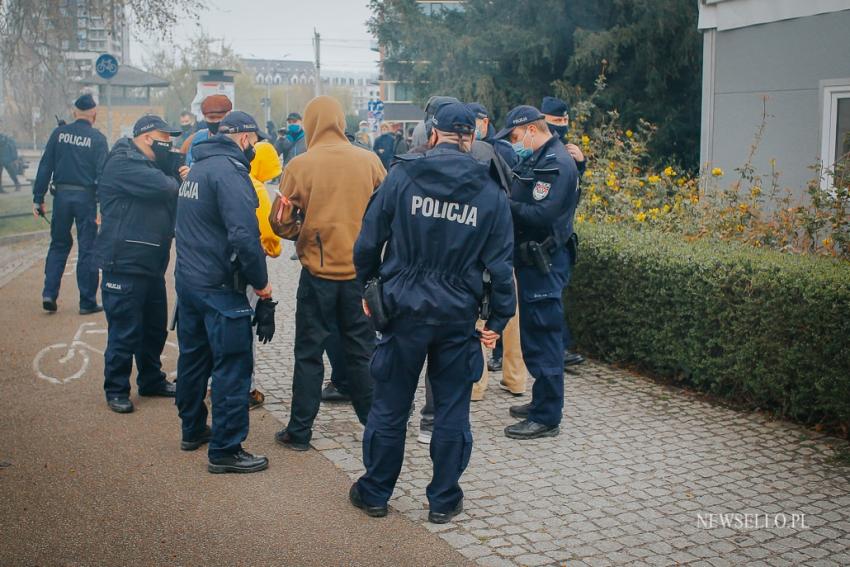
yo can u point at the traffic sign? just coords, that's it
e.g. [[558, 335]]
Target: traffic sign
[[106, 66]]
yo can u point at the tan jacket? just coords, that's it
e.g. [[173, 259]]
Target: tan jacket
[[331, 184]]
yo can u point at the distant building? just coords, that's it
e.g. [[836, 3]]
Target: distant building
[[280, 71], [91, 37], [792, 52], [364, 86]]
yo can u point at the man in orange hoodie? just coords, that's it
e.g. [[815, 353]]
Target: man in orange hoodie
[[326, 190]]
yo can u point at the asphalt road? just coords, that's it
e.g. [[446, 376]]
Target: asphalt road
[[81, 485]]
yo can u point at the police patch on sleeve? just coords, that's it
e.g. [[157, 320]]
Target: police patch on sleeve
[[541, 190]]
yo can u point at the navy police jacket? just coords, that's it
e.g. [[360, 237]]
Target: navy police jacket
[[544, 194], [217, 230], [444, 221], [137, 204], [74, 155]]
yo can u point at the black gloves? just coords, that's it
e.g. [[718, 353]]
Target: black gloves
[[264, 320]]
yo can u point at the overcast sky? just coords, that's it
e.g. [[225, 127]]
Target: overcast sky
[[283, 29]]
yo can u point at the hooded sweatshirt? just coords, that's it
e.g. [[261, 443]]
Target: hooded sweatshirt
[[264, 167], [331, 184]]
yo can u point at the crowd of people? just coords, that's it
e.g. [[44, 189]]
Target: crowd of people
[[412, 257]]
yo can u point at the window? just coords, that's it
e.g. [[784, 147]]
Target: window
[[835, 129]]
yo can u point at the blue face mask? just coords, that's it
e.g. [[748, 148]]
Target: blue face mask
[[521, 151], [293, 129]]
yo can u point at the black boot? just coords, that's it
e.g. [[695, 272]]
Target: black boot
[[572, 358], [494, 364], [445, 517], [239, 462], [49, 304], [531, 430], [165, 389], [193, 444], [520, 411], [374, 511], [120, 405], [331, 394]]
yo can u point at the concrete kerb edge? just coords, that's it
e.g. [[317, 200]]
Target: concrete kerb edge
[[24, 236]]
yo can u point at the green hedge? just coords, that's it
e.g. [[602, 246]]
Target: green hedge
[[768, 329]]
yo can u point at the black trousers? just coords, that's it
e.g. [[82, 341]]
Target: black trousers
[[319, 304]]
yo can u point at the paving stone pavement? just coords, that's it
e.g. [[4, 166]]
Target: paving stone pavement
[[632, 479]]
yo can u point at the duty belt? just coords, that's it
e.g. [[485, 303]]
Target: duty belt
[[70, 187], [537, 254]]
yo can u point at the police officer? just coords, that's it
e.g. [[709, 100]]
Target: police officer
[[73, 159], [543, 201], [557, 114], [443, 221], [218, 253], [138, 197]]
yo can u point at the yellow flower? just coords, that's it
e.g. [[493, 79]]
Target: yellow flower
[[680, 182], [755, 191], [629, 134], [588, 173], [717, 172], [641, 183], [653, 179], [611, 165], [654, 212], [594, 199], [580, 218], [637, 203], [666, 208], [743, 207], [640, 217], [669, 172], [585, 140], [611, 181], [827, 242], [740, 228], [694, 198]]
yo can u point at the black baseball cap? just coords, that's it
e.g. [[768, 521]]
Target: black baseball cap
[[237, 122], [554, 106], [85, 102], [454, 117], [150, 123], [519, 116], [478, 109]]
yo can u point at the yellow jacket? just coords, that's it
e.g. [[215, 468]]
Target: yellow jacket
[[265, 167]]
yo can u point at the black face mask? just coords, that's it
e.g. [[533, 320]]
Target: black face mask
[[560, 130], [165, 158], [249, 153], [213, 127], [185, 127]]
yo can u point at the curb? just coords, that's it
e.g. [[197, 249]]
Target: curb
[[24, 236]]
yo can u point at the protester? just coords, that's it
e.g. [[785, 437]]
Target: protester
[[544, 196], [188, 126], [219, 254], [73, 160], [389, 144], [364, 135], [325, 192], [438, 221], [291, 141], [214, 108], [138, 197], [9, 161], [557, 114], [264, 167]]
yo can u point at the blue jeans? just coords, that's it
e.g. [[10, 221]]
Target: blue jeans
[[71, 207]]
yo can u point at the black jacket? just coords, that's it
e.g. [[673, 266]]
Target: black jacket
[[137, 203]]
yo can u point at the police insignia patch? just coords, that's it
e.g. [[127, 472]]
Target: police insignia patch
[[540, 190]]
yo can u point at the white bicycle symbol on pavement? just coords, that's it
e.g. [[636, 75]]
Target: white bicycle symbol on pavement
[[76, 356]]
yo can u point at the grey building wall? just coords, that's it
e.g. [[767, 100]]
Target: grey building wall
[[784, 61]]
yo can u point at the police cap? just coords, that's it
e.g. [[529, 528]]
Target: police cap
[[479, 110], [518, 117], [237, 122], [85, 102], [553, 106], [454, 117], [149, 123]]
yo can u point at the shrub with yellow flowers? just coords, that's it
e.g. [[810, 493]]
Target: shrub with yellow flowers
[[624, 185]]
